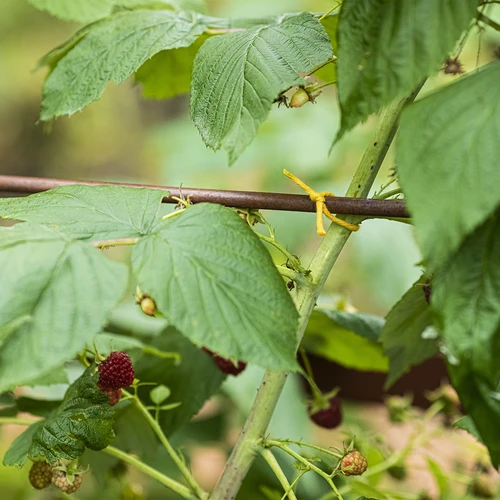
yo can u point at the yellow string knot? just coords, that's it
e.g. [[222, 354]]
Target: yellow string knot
[[319, 199]]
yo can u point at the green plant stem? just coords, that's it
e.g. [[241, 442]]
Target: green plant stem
[[269, 392], [488, 21], [393, 192], [178, 488], [294, 260], [317, 394], [312, 446], [16, 421], [278, 472], [115, 243], [301, 459], [179, 462], [294, 276], [323, 64]]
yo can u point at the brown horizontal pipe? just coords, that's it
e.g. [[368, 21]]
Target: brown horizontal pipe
[[236, 199]]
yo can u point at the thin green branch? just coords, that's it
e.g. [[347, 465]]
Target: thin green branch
[[294, 261], [269, 392], [488, 21], [176, 458], [16, 421], [294, 276], [268, 456], [173, 485]]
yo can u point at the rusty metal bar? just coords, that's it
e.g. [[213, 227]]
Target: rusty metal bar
[[236, 199]]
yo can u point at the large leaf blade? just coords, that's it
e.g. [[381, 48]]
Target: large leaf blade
[[89, 212], [57, 294], [387, 47], [216, 283], [237, 76], [114, 50], [448, 143]]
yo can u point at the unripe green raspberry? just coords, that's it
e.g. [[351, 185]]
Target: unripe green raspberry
[[40, 475], [353, 464], [60, 480]]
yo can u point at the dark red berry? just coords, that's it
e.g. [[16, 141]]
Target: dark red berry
[[114, 395], [328, 418], [116, 371], [226, 365]]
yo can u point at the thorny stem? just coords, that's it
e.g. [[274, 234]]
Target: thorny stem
[[178, 488], [331, 245], [294, 276], [178, 460], [488, 21], [312, 446], [268, 456], [295, 262]]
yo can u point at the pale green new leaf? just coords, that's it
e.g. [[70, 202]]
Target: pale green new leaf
[[403, 335], [89, 212], [387, 47], [113, 50], [212, 278], [56, 295], [349, 339], [83, 420], [237, 76], [449, 142]]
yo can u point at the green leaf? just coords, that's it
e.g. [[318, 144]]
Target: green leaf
[[237, 76], [407, 337], [191, 382], [159, 394], [113, 50], [55, 298], [360, 488], [448, 143], [467, 424], [83, 420], [348, 339], [89, 212], [84, 11], [387, 47], [38, 407], [466, 301], [440, 476], [212, 278], [168, 73]]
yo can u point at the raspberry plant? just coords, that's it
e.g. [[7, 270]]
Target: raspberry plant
[[203, 271]]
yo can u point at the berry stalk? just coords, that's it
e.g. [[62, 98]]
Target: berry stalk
[[246, 448]]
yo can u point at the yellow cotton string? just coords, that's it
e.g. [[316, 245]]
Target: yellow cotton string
[[319, 199]]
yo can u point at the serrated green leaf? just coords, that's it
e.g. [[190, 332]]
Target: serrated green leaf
[[57, 293], [467, 424], [213, 280], [191, 382], [402, 336], [86, 11], [349, 339], [387, 47], [360, 488], [168, 73], [466, 302], [83, 420], [113, 50], [38, 407], [448, 143], [237, 76], [89, 212]]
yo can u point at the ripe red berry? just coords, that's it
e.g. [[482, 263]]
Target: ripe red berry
[[116, 371], [40, 475], [353, 464], [226, 365], [114, 395], [328, 418]]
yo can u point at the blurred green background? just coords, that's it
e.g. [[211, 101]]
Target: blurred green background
[[125, 138]]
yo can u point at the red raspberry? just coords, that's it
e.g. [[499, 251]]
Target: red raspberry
[[116, 371], [226, 365], [40, 475], [353, 464], [114, 395], [328, 418], [61, 481]]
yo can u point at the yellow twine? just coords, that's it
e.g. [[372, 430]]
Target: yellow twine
[[319, 199]]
